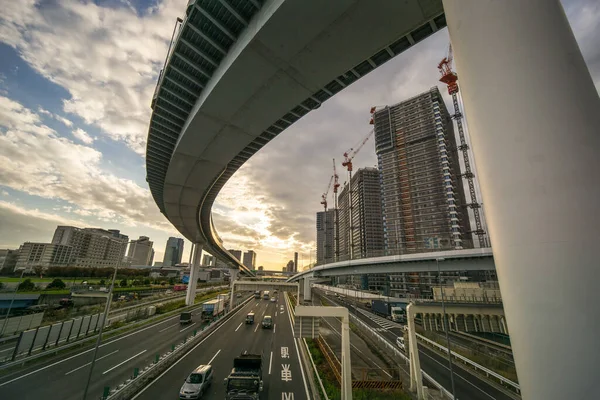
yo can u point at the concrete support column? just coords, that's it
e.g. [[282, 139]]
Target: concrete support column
[[465, 316], [307, 291], [190, 296], [437, 328], [416, 378], [346, 362], [503, 325], [533, 117], [233, 275]]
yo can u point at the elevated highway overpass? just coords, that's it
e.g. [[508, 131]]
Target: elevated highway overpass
[[240, 72]]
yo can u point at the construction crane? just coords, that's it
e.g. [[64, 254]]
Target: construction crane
[[348, 157], [450, 78], [326, 193], [336, 239]]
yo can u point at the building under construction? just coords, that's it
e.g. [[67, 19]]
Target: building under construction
[[421, 188], [366, 228], [325, 236]]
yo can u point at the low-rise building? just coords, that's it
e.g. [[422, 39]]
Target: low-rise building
[[44, 255]]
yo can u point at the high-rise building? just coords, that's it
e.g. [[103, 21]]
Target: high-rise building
[[8, 259], [250, 259], [421, 187], [365, 234], [236, 253], [43, 255], [208, 260], [173, 252], [92, 247], [325, 243], [140, 251], [295, 261], [290, 266]]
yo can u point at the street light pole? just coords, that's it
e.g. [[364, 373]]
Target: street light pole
[[102, 323], [446, 326]]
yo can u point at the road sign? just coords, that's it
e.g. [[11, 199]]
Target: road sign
[[306, 327]]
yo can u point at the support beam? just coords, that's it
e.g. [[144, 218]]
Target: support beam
[[416, 378], [533, 116], [307, 291], [233, 275], [190, 296]]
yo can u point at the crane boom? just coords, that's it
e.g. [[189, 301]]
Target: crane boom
[[350, 154], [324, 195]]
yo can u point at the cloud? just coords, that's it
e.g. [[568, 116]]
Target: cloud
[[107, 58], [83, 136], [34, 160], [57, 117]]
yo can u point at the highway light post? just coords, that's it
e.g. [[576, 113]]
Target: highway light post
[[446, 325], [102, 323]]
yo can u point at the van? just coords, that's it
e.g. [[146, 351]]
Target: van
[[250, 318], [197, 383]]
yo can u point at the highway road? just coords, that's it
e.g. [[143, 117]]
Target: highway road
[[468, 385], [65, 379], [283, 374]]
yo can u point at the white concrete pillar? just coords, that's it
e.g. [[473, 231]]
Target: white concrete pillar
[[533, 114], [416, 378], [307, 292], [190, 296], [233, 275], [465, 321], [503, 325], [437, 328], [346, 361]]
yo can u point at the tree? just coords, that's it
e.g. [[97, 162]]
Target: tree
[[137, 282], [26, 285], [38, 270], [171, 281], [146, 282], [123, 283], [56, 284], [102, 282]]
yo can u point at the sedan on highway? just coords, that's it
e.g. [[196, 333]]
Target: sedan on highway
[[272, 299], [197, 383]]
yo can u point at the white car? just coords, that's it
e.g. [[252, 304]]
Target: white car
[[400, 343], [272, 299]]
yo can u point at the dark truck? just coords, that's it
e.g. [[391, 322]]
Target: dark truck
[[396, 311], [245, 380], [185, 318]]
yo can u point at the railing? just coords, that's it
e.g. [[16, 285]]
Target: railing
[[474, 365]]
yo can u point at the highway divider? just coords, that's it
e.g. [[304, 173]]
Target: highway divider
[[141, 377], [292, 314]]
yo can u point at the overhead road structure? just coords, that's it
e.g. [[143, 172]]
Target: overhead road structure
[[454, 260], [238, 73]]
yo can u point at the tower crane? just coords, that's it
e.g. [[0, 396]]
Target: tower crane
[[450, 78], [326, 193], [324, 203], [336, 239], [348, 157]]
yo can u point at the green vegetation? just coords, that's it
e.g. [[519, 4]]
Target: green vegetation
[[332, 388], [26, 285], [56, 284], [123, 283]]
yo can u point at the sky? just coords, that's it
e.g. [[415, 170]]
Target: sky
[[76, 80]]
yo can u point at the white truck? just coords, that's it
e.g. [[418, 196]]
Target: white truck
[[212, 309]]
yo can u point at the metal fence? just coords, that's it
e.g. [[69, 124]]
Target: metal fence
[[48, 336], [21, 323]]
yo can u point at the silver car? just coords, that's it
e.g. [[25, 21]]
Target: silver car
[[197, 383]]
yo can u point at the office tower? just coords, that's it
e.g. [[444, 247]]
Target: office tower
[[140, 251], [290, 266], [325, 245], [236, 253], [43, 255], [422, 190], [92, 247], [250, 259], [173, 252], [208, 260], [295, 261], [367, 220]]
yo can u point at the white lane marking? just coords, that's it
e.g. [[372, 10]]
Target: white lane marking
[[270, 363], [168, 327], [129, 359], [87, 351], [2, 351], [215, 356], [184, 356], [236, 329], [97, 359], [297, 352], [256, 327], [187, 327], [275, 313], [274, 327]]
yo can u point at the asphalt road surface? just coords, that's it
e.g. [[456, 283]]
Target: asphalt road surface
[[65, 379]]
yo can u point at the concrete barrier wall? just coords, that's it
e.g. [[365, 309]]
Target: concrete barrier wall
[[19, 324]]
